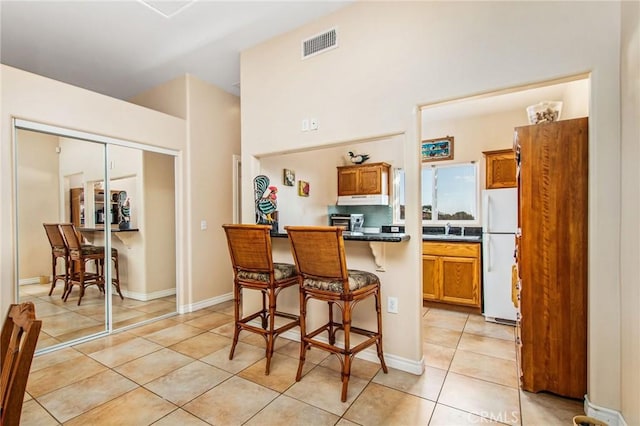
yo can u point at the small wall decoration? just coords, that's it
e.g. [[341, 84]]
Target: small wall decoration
[[437, 149], [266, 201], [303, 188], [288, 177]]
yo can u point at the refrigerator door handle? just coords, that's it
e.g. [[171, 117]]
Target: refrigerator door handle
[[488, 254]]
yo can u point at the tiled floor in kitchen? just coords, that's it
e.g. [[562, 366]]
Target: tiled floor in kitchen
[[176, 371]]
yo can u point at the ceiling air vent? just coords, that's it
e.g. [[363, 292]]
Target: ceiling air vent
[[319, 43]]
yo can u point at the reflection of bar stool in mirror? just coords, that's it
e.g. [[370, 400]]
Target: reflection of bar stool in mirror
[[321, 262], [80, 255], [58, 251]]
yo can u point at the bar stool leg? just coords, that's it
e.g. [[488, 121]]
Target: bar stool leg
[[379, 340], [270, 336], [116, 280], [303, 335], [237, 312]]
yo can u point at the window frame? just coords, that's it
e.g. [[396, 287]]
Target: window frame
[[398, 181]]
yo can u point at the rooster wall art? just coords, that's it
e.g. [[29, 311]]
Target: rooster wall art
[[266, 200]]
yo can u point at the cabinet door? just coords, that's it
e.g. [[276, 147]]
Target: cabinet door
[[553, 256], [430, 278], [348, 181], [370, 180], [460, 281], [501, 169]]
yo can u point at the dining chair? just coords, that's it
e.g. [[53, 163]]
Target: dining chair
[[18, 341], [320, 258], [254, 269], [58, 251]]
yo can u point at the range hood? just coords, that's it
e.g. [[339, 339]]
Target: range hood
[[363, 200]]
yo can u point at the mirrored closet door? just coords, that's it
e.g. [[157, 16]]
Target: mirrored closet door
[[95, 232]]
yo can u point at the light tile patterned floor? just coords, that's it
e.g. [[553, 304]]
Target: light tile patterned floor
[[176, 371]]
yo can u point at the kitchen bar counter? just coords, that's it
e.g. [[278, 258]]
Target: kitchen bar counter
[[452, 238], [348, 236]]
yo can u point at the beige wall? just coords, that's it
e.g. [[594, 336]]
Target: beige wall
[[159, 221], [393, 56], [630, 250], [213, 137], [38, 203], [31, 97]]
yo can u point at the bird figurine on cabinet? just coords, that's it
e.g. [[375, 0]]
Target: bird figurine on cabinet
[[358, 159], [266, 200]]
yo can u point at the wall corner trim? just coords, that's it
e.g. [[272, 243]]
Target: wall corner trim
[[611, 417]]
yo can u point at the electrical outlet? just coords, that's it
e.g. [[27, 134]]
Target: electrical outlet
[[203, 225], [392, 305], [313, 124]]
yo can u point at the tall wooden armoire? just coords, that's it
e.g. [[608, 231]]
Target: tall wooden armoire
[[551, 276]]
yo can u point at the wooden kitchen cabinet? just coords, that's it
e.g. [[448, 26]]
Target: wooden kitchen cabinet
[[451, 273], [366, 179], [500, 169], [552, 256]]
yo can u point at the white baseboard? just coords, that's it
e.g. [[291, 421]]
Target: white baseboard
[[607, 415], [369, 354], [32, 280], [144, 297], [205, 303]]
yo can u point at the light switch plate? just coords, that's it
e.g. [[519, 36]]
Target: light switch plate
[[392, 305]]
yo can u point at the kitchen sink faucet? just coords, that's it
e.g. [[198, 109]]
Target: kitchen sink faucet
[[447, 227]]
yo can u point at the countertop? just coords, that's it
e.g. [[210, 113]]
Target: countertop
[[348, 236], [452, 238], [113, 229]]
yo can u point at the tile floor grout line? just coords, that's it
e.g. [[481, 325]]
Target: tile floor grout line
[[368, 382]]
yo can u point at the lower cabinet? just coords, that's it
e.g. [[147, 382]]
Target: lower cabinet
[[451, 273]]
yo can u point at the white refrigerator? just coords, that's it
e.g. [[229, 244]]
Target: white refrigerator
[[499, 226]]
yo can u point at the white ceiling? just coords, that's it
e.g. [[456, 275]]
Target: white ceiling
[[121, 48]]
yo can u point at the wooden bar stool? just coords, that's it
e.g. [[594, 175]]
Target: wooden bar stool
[[58, 251], [254, 269], [319, 255]]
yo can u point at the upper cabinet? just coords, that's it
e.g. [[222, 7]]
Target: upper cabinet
[[501, 169], [364, 184]]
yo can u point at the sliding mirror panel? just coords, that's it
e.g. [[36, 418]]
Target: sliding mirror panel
[[118, 199], [53, 174], [141, 206]]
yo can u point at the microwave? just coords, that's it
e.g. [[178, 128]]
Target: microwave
[[348, 222], [341, 220]]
